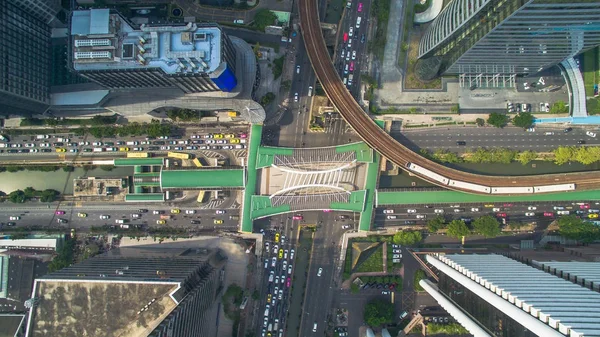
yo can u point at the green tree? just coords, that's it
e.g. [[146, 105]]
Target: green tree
[[267, 99], [487, 226], [286, 85], [378, 312], [458, 229], [17, 197], [435, 224], [407, 238], [264, 18], [354, 289], [526, 156], [480, 122], [255, 295], [559, 107], [419, 275], [571, 227], [497, 119], [564, 154], [523, 120]]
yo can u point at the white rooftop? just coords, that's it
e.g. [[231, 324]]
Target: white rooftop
[[569, 308], [106, 41]]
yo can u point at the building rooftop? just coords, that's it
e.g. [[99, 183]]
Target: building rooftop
[[562, 305], [10, 324], [104, 40]]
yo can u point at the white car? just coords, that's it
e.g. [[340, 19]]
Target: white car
[[190, 211], [391, 217], [591, 134], [474, 209], [291, 254], [421, 216], [44, 144], [438, 211], [531, 208], [15, 217], [30, 145], [296, 97], [228, 147], [97, 143], [273, 262], [354, 55], [220, 211], [289, 271], [320, 272], [388, 211], [411, 210], [105, 217], [547, 107], [298, 69], [351, 31], [563, 212], [495, 209], [529, 214], [74, 150], [530, 130]]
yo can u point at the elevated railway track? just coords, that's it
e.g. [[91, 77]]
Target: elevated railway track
[[399, 154]]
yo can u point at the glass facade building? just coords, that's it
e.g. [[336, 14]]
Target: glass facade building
[[509, 36], [24, 58]]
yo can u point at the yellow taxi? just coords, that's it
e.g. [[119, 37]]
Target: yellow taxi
[[160, 222], [175, 211], [60, 149], [280, 253], [230, 135], [123, 149], [82, 215], [489, 205], [218, 222], [234, 141], [269, 298], [218, 135], [276, 237], [593, 216]]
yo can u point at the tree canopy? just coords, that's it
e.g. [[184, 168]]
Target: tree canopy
[[497, 119], [407, 238], [559, 107], [487, 226], [458, 229], [379, 312], [523, 120], [571, 227], [436, 224], [264, 18]]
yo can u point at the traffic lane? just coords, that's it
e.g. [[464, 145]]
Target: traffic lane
[[48, 217], [252, 37]]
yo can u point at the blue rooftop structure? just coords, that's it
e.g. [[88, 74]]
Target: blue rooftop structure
[[590, 120]]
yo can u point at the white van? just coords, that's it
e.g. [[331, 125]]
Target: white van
[[315, 327], [98, 149], [358, 22], [120, 221], [310, 90]]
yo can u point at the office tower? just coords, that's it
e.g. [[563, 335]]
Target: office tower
[[109, 50], [24, 57], [492, 295], [154, 292], [507, 36]]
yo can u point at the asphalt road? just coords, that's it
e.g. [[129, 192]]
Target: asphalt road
[[509, 137], [515, 212], [44, 214]]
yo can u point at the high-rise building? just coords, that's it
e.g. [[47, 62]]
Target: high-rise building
[[155, 292], [25, 56], [109, 50], [493, 295], [507, 36]]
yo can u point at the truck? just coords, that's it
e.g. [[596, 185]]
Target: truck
[[42, 137], [98, 149], [125, 226], [64, 140], [133, 143], [4, 138], [165, 216], [350, 77], [276, 324], [4, 145]]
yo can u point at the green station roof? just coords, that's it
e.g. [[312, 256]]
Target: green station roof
[[203, 178]]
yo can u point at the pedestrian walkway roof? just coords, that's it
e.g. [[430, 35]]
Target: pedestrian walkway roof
[[202, 178], [253, 150], [137, 197], [423, 197]]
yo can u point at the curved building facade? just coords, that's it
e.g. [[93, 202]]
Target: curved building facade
[[510, 36]]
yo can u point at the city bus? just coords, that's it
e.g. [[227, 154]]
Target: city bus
[[197, 162], [178, 155], [137, 155]]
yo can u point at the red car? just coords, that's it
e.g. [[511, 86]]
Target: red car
[[501, 215], [584, 206], [352, 66], [548, 214], [59, 212], [508, 205], [243, 135], [289, 282], [297, 217], [360, 7], [326, 211], [345, 37]]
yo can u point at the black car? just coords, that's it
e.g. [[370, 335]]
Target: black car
[[11, 223], [143, 210], [58, 144], [158, 142], [581, 142], [568, 130], [61, 220], [45, 150], [153, 148], [87, 149], [24, 151], [462, 143], [12, 151], [195, 222]]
